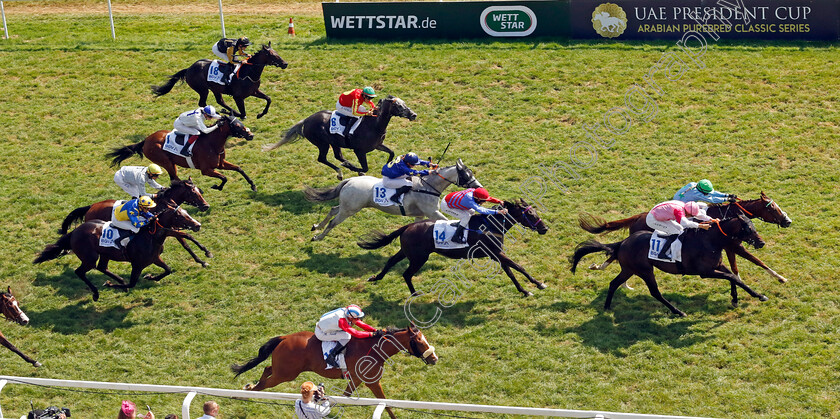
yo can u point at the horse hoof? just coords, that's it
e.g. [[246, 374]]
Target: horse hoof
[[681, 314], [594, 266], [316, 239], [527, 294], [782, 280], [253, 188], [340, 177], [373, 278], [205, 265], [542, 286], [762, 297], [314, 227], [208, 254], [216, 187], [96, 296], [36, 364]]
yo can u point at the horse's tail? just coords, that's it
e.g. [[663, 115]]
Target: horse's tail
[[166, 87], [377, 239], [54, 251], [75, 215], [292, 134], [323, 194], [264, 353], [592, 246], [597, 225], [121, 153]]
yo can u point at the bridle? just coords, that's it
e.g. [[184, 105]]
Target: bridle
[[462, 180], [413, 349], [8, 302], [533, 225]]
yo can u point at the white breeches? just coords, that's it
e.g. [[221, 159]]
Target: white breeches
[[668, 227], [180, 128], [399, 182], [463, 215], [125, 225], [220, 54], [338, 335], [347, 111], [130, 188]]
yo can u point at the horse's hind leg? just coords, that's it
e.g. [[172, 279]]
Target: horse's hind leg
[[339, 155], [202, 96], [102, 266], [240, 104], [650, 281], [619, 279], [221, 101], [261, 382], [80, 272], [415, 263], [271, 378], [330, 215], [342, 215], [323, 149], [226, 165], [388, 265]]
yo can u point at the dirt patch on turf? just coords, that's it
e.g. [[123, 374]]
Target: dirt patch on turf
[[47, 8]]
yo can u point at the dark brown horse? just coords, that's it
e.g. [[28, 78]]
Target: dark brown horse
[[369, 135], [485, 239], [246, 81], [143, 250], [179, 192], [365, 358], [701, 255], [762, 208], [208, 152], [11, 310]]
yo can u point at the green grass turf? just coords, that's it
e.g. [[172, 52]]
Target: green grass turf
[[758, 117]]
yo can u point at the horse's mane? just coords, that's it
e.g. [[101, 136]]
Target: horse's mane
[[392, 330]]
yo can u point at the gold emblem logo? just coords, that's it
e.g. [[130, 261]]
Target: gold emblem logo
[[609, 20]]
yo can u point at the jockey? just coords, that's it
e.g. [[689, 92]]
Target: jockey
[[230, 49], [702, 192], [355, 104], [337, 325], [463, 204], [398, 174], [130, 216], [133, 179], [670, 217], [192, 123]]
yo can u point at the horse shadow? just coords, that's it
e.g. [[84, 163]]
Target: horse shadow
[[81, 318], [334, 265], [425, 312], [69, 285], [638, 318], [291, 201]]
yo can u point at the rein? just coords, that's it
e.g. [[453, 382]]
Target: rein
[[717, 223], [749, 214]]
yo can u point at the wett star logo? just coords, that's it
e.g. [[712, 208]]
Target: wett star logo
[[609, 20], [508, 21]]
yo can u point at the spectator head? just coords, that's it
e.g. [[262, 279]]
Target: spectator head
[[211, 408], [171, 416], [127, 410]]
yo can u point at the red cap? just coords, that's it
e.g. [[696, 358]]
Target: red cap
[[482, 193]]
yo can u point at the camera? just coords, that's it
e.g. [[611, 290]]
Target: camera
[[319, 393], [51, 412]]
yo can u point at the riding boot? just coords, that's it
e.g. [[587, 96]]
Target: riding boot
[[331, 361], [667, 246], [459, 235], [401, 190], [347, 133], [186, 150]]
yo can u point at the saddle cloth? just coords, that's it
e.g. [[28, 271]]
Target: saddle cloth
[[338, 122], [173, 143], [382, 195], [443, 232], [109, 235], [215, 73], [656, 242], [326, 348]]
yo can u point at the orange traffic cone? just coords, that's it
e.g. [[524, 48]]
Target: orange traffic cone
[[291, 27]]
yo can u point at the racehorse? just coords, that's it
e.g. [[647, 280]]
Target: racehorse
[[701, 255], [763, 208], [143, 250], [11, 310], [169, 198], [356, 193], [487, 233], [208, 152], [369, 134], [245, 83], [301, 351]]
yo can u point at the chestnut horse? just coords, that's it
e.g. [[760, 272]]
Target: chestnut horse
[[143, 250], [11, 310], [487, 234], [701, 255], [763, 208], [208, 153], [245, 83], [365, 358], [172, 197]]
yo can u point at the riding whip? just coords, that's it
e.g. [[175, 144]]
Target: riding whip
[[440, 160]]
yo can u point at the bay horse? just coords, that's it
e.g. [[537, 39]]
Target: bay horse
[[143, 250], [208, 152], [12, 311], [762, 208], [356, 193], [179, 192], [701, 255], [369, 134], [487, 234], [246, 81], [365, 358]]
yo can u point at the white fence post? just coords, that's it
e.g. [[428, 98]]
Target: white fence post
[[2, 383], [3, 12], [185, 407], [222, 18], [377, 414], [111, 17]]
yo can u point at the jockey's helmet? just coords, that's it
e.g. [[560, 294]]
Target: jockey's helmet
[[243, 42], [354, 312], [154, 169], [482, 194], [705, 186], [210, 112], [369, 92], [692, 208], [411, 158], [145, 202]]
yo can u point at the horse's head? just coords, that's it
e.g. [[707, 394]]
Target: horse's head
[[394, 106], [466, 178], [272, 58], [237, 128], [742, 229], [11, 309], [175, 218], [187, 191], [526, 215], [418, 346], [770, 212]]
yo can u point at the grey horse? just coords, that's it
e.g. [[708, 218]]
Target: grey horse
[[356, 193]]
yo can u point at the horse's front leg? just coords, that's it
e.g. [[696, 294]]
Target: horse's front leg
[[506, 264], [226, 165], [261, 95], [518, 267], [240, 104], [362, 156], [182, 238], [383, 147], [376, 389], [210, 172], [166, 270], [339, 155], [5, 342], [221, 101], [742, 252], [723, 273]]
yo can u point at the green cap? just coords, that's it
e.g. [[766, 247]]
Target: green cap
[[369, 91], [705, 186]]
